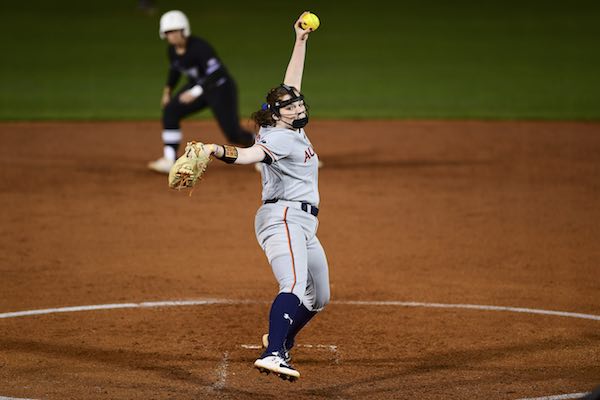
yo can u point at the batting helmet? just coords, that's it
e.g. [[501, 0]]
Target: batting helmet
[[174, 20]]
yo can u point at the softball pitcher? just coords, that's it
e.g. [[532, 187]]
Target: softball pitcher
[[286, 224], [209, 85]]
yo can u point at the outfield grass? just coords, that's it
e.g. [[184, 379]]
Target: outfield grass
[[462, 59]]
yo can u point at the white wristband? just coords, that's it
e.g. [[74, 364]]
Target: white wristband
[[196, 91]]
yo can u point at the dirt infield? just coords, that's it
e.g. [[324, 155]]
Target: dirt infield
[[483, 213]]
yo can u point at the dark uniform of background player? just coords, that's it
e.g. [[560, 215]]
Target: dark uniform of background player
[[209, 85]]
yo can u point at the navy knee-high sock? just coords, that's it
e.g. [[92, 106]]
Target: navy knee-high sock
[[303, 315], [283, 312]]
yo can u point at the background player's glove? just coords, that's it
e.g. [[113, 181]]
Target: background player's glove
[[189, 167]]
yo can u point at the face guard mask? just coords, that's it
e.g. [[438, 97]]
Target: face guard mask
[[297, 123], [300, 122]]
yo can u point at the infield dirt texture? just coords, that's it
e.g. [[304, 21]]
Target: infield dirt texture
[[501, 214], [421, 207]]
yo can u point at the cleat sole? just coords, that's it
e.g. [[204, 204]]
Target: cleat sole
[[287, 377], [263, 370]]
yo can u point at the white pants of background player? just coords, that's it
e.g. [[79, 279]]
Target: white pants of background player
[[288, 236]]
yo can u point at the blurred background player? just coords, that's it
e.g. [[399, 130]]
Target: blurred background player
[[209, 85]]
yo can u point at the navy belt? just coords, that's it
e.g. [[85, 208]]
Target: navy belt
[[307, 207]]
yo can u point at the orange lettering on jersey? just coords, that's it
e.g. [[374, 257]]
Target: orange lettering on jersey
[[308, 153]]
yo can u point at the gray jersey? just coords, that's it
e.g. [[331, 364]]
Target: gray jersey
[[294, 173]]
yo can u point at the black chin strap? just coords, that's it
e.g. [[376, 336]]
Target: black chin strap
[[290, 125]]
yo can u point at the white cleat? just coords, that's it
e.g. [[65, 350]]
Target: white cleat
[[286, 353], [274, 363], [162, 165]]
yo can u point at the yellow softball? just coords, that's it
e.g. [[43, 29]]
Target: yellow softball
[[309, 21]]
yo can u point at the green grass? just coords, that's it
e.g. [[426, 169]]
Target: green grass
[[436, 59]]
